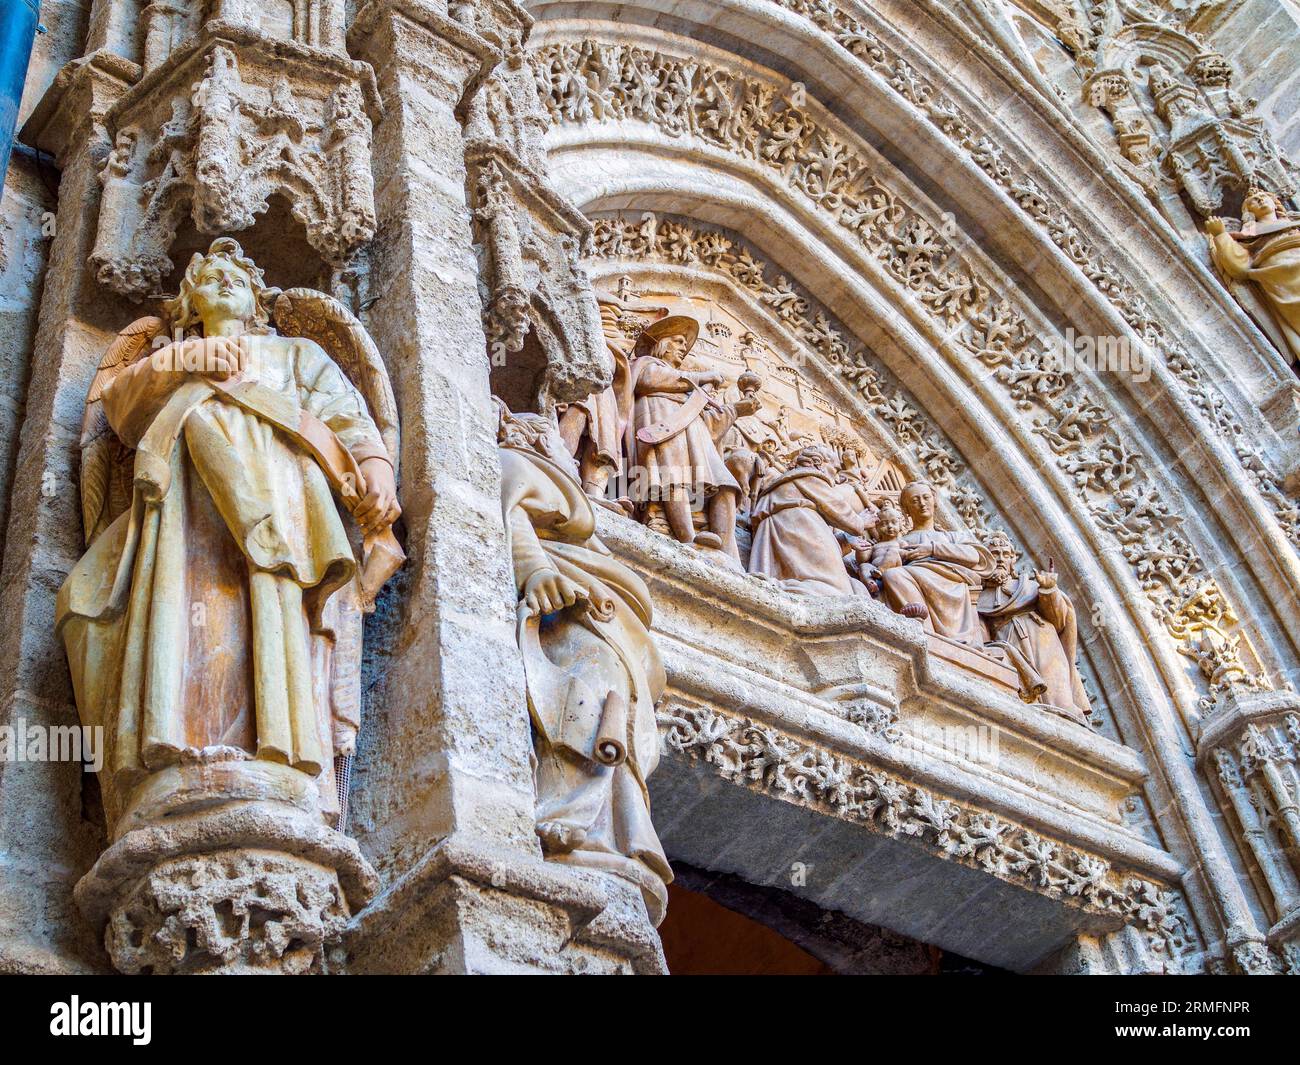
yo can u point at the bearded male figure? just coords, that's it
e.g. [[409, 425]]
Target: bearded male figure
[[794, 521], [1033, 621], [1265, 251], [593, 672]]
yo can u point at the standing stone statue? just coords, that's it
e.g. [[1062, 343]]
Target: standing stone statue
[[1033, 621], [593, 428], [215, 616], [1265, 251], [593, 672], [793, 521], [673, 454], [749, 447], [940, 572]]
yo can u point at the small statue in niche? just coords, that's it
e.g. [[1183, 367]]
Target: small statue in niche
[[794, 542], [1265, 251], [1033, 622], [940, 571], [593, 672], [674, 460], [215, 616]]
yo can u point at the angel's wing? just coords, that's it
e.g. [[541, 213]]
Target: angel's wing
[[102, 455], [307, 313]]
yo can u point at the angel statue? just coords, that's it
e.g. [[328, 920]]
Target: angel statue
[[215, 618], [593, 672], [1266, 251]]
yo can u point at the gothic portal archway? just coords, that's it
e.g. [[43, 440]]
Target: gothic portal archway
[[921, 255]]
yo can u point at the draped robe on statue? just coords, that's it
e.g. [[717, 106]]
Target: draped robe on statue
[[217, 618], [1274, 265], [606, 412], [793, 541], [689, 459], [1038, 630], [944, 583], [594, 676]]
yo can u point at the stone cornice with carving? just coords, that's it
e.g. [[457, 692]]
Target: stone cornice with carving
[[763, 758]]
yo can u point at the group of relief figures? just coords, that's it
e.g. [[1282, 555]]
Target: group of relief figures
[[239, 489], [696, 466]]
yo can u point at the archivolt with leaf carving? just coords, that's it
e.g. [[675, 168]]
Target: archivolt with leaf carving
[[591, 81]]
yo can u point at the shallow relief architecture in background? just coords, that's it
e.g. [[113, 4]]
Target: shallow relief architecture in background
[[740, 473]]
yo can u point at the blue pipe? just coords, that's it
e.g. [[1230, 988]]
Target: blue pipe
[[17, 31]]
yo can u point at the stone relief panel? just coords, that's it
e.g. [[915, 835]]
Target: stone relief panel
[[815, 508], [786, 412], [753, 118]]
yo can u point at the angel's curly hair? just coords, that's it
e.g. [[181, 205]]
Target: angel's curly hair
[[891, 511], [180, 311]]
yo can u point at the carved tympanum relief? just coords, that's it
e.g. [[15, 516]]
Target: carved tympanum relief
[[720, 107], [714, 436], [213, 626]]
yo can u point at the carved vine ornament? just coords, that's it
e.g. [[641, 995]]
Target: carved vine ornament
[[589, 81], [768, 760]]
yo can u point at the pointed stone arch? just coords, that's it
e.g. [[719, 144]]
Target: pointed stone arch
[[1155, 542]]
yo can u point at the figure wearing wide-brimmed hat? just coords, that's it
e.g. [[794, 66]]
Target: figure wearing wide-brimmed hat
[[673, 455], [593, 428]]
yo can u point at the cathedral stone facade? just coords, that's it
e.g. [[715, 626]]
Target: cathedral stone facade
[[511, 486]]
